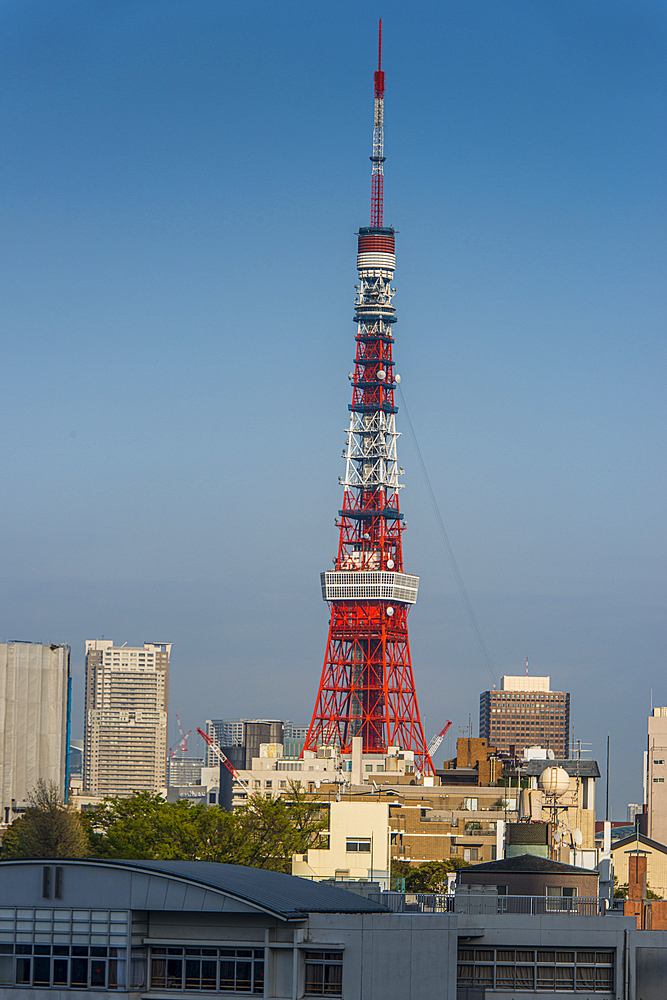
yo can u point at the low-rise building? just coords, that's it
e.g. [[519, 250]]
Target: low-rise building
[[147, 930], [530, 875], [356, 845], [656, 862]]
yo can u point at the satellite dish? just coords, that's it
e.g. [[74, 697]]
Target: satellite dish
[[550, 755], [390, 612], [390, 563], [350, 375], [382, 374], [317, 784], [558, 836], [578, 837], [397, 378]]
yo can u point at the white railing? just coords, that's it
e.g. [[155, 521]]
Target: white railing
[[488, 903]]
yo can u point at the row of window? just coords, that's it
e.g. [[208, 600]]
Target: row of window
[[226, 970], [215, 970], [66, 967], [536, 970]]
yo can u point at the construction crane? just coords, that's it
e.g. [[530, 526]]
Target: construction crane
[[182, 744], [223, 760], [437, 740]]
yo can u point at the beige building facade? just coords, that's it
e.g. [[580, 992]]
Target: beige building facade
[[656, 862], [655, 778], [125, 733], [357, 845]]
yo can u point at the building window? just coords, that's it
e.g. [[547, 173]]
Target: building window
[[542, 971], [324, 973], [227, 970], [60, 966], [658, 781], [470, 854], [358, 846], [658, 762]]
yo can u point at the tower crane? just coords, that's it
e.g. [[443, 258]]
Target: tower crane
[[182, 744], [223, 760], [437, 739]]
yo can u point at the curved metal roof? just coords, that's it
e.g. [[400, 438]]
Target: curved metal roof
[[284, 895]]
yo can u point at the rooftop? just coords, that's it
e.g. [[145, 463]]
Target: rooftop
[[527, 863], [285, 895], [575, 768]]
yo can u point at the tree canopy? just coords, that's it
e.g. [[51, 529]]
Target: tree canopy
[[47, 829], [264, 833], [428, 877]]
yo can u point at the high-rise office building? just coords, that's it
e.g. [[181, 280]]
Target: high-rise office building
[[245, 735], [34, 717], [524, 713], [184, 770], [125, 734]]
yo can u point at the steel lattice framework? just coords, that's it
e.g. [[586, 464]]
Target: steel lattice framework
[[367, 688]]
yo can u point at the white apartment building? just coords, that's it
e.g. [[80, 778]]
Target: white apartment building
[[34, 709], [655, 776], [125, 733]]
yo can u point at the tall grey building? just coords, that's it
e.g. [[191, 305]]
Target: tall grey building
[[125, 733], [245, 735], [34, 713]]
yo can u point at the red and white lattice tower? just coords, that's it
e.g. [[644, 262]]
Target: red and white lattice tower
[[367, 688]]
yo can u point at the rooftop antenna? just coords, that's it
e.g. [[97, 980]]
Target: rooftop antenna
[[526, 666]]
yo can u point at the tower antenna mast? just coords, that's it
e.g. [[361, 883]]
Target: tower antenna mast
[[378, 157]]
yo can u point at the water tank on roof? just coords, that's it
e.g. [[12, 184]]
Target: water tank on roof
[[554, 780]]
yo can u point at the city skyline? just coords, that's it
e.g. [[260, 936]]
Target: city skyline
[[182, 192]]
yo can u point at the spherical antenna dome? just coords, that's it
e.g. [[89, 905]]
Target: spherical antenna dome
[[554, 780]]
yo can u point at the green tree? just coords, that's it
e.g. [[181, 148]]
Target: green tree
[[264, 833], [144, 826], [47, 829], [432, 875]]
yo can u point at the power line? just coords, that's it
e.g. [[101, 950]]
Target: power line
[[467, 603]]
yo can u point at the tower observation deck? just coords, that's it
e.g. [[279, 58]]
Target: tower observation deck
[[367, 687]]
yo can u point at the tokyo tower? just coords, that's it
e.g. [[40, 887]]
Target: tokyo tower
[[367, 688]]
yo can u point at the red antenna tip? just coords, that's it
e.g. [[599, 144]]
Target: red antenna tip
[[379, 75]]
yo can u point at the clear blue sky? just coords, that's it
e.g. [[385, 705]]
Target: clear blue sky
[[182, 182]]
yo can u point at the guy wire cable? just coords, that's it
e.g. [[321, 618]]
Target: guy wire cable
[[472, 617]]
